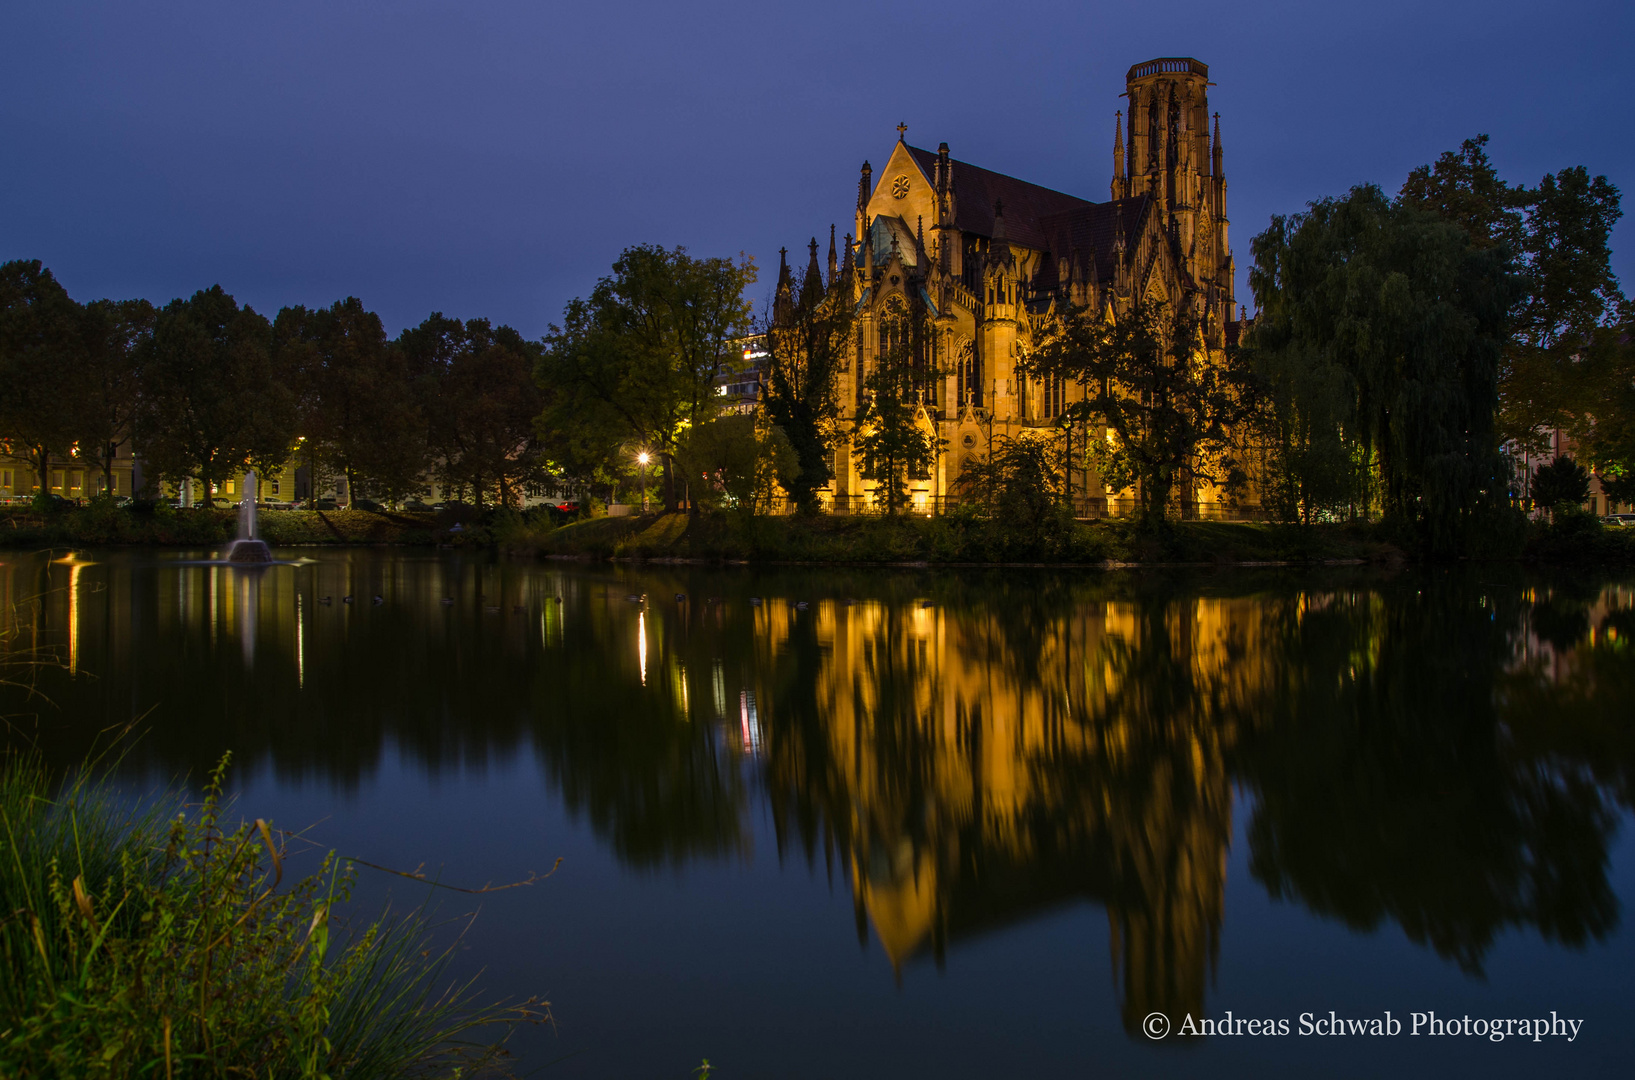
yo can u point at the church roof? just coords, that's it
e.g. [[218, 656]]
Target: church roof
[[1026, 205], [1092, 227]]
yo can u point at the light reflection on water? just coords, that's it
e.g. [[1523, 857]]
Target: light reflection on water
[[1443, 752]]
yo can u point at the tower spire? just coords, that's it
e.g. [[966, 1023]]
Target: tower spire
[[1119, 184], [811, 288], [1215, 154], [865, 188], [831, 255], [783, 300]]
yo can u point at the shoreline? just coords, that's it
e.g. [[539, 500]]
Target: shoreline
[[948, 541]]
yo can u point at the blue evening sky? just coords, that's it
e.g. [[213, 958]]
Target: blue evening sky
[[492, 158]]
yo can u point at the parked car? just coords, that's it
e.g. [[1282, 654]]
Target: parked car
[[416, 506], [1627, 520], [323, 504], [367, 504]]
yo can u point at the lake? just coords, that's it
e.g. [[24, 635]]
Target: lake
[[887, 823]]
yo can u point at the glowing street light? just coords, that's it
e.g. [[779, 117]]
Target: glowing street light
[[642, 459]]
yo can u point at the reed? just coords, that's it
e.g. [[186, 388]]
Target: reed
[[158, 941]]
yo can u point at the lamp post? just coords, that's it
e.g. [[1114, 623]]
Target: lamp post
[[642, 459]]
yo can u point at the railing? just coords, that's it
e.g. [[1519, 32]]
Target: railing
[[1085, 508], [1168, 65]]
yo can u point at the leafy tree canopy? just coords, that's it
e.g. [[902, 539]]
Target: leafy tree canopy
[[40, 355], [1147, 376], [1401, 318], [214, 400], [481, 403], [893, 434], [360, 404], [807, 342], [1561, 350], [636, 363]]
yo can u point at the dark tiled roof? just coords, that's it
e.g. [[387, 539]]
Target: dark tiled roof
[[1026, 205], [1092, 228]]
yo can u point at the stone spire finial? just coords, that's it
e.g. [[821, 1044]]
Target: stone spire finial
[[812, 286], [1215, 153], [831, 254], [902, 132], [784, 298]]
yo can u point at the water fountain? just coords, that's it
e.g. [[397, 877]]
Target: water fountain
[[247, 548]]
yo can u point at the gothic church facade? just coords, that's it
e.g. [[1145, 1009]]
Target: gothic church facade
[[987, 257]]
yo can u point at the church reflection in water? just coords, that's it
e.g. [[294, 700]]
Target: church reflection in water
[[1443, 751]]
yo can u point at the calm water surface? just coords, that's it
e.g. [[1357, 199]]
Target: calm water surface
[[933, 824]]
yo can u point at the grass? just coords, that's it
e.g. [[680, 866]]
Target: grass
[[162, 526], [952, 538], [957, 537], [158, 941]]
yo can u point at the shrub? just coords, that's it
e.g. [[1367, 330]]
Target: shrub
[[160, 943]]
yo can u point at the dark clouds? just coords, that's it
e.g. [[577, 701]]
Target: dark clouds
[[493, 158]]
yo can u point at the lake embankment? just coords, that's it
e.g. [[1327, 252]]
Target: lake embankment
[[948, 540], [200, 527]]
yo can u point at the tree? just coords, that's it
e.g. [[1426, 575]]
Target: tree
[[737, 462], [1147, 375], [1561, 481], [360, 413], [1559, 235], [892, 433], [40, 355], [213, 401], [638, 361], [1406, 317], [113, 334], [807, 341], [481, 405], [1019, 489]]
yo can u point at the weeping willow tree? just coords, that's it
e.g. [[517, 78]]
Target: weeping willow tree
[[1380, 336]]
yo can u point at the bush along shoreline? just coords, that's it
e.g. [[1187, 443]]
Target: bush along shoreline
[[966, 539], [962, 536], [159, 941]]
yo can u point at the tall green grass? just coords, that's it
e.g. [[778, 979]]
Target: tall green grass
[[159, 941]]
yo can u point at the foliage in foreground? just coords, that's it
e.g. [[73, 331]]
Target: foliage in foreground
[[160, 944]]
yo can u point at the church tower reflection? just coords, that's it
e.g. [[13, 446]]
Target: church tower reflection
[[976, 766]]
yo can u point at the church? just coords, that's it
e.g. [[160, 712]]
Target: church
[[988, 257]]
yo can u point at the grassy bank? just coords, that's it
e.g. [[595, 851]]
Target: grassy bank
[[162, 942], [163, 526], [950, 539], [958, 539]]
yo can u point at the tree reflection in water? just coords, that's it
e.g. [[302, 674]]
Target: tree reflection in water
[[1447, 751]]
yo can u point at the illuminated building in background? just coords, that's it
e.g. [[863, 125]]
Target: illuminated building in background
[[988, 257]]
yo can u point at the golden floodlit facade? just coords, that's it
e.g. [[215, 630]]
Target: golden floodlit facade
[[989, 258]]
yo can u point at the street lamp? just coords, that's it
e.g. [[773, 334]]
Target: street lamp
[[642, 459]]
